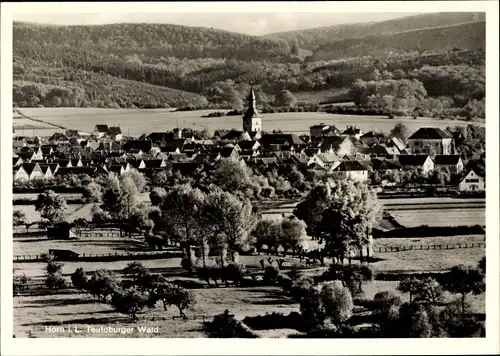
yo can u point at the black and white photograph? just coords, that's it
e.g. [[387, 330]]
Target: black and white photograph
[[250, 175]]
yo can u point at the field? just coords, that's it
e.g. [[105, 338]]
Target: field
[[35, 313], [136, 121], [440, 217]]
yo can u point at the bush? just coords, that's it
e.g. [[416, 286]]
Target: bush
[[271, 274], [234, 272], [300, 288], [225, 325], [187, 264], [275, 321], [285, 282], [79, 279], [386, 300], [129, 302], [337, 303]]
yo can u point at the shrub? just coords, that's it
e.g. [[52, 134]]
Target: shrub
[[187, 264], [233, 272], [129, 301], [285, 282], [312, 309], [54, 281], [20, 283], [337, 303], [271, 274], [300, 288], [225, 325], [79, 279], [275, 321], [386, 300]]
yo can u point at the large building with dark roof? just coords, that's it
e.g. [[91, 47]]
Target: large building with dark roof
[[431, 140]]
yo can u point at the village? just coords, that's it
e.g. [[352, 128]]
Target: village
[[255, 211], [340, 153]]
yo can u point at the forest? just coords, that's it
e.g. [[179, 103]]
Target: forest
[[161, 66]]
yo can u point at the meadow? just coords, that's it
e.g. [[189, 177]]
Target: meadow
[[136, 121]]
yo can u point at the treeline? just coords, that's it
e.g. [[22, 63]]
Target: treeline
[[155, 40], [314, 37]]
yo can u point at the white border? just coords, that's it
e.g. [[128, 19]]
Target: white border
[[60, 346]]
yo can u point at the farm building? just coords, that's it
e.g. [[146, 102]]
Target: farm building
[[372, 138], [422, 161], [350, 170], [62, 231], [472, 182], [340, 145], [452, 162], [64, 255], [430, 140]]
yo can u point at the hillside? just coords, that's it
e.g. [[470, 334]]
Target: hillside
[[465, 36], [314, 37], [155, 41]]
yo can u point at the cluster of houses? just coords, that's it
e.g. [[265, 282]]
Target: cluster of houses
[[348, 153]]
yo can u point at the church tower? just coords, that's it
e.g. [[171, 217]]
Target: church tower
[[251, 120]]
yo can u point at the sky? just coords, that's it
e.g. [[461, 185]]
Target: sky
[[252, 23]]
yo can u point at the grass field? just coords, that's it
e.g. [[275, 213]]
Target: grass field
[[436, 240], [440, 217], [137, 121], [35, 313], [74, 211]]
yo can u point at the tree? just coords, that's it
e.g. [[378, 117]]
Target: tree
[[101, 284], [92, 192], [312, 308], [232, 218], [79, 279], [139, 182], [51, 206], [135, 270], [266, 232], [172, 294], [20, 283], [285, 98], [354, 276], [400, 131], [182, 209], [311, 209], [18, 218], [54, 281], [129, 301], [232, 176], [464, 280], [351, 212], [424, 290], [292, 234], [337, 303], [157, 195], [294, 50], [482, 265]]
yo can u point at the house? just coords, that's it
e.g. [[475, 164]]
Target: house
[[33, 170], [100, 131], [155, 163], [371, 138], [115, 133], [324, 160], [381, 150], [279, 142], [353, 131], [136, 163], [472, 182], [76, 162], [143, 145], [430, 140], [159, 137], [385, 165], [452, 162], [396, 142], [17, 161], [174, 145], [350, 170], [47, 172], [20, 174], [322, 130], [423, 162], [340, 145]]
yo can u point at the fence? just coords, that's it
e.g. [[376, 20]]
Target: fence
[[104, 256], [383, 249]]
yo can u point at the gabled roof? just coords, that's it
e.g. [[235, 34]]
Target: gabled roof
[[332, 142], [412, 160], [30, 167], [429, 133], [446, 160], [45, 168], [115, 130], [143, 145], [177, 157], [228, 151], [102, 128], [373, 134], [154, 163], [350, 166], [280, 139], [385, 164], [160, 136]]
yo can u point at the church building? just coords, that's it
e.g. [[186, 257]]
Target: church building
[[252, 123]]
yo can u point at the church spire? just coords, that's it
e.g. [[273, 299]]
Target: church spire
[[252, 104]]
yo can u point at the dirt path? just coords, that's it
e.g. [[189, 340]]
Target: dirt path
[[38, 120]]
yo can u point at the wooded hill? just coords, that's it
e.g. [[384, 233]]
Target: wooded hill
[[466, 36], [148, 65], [314, 37]]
